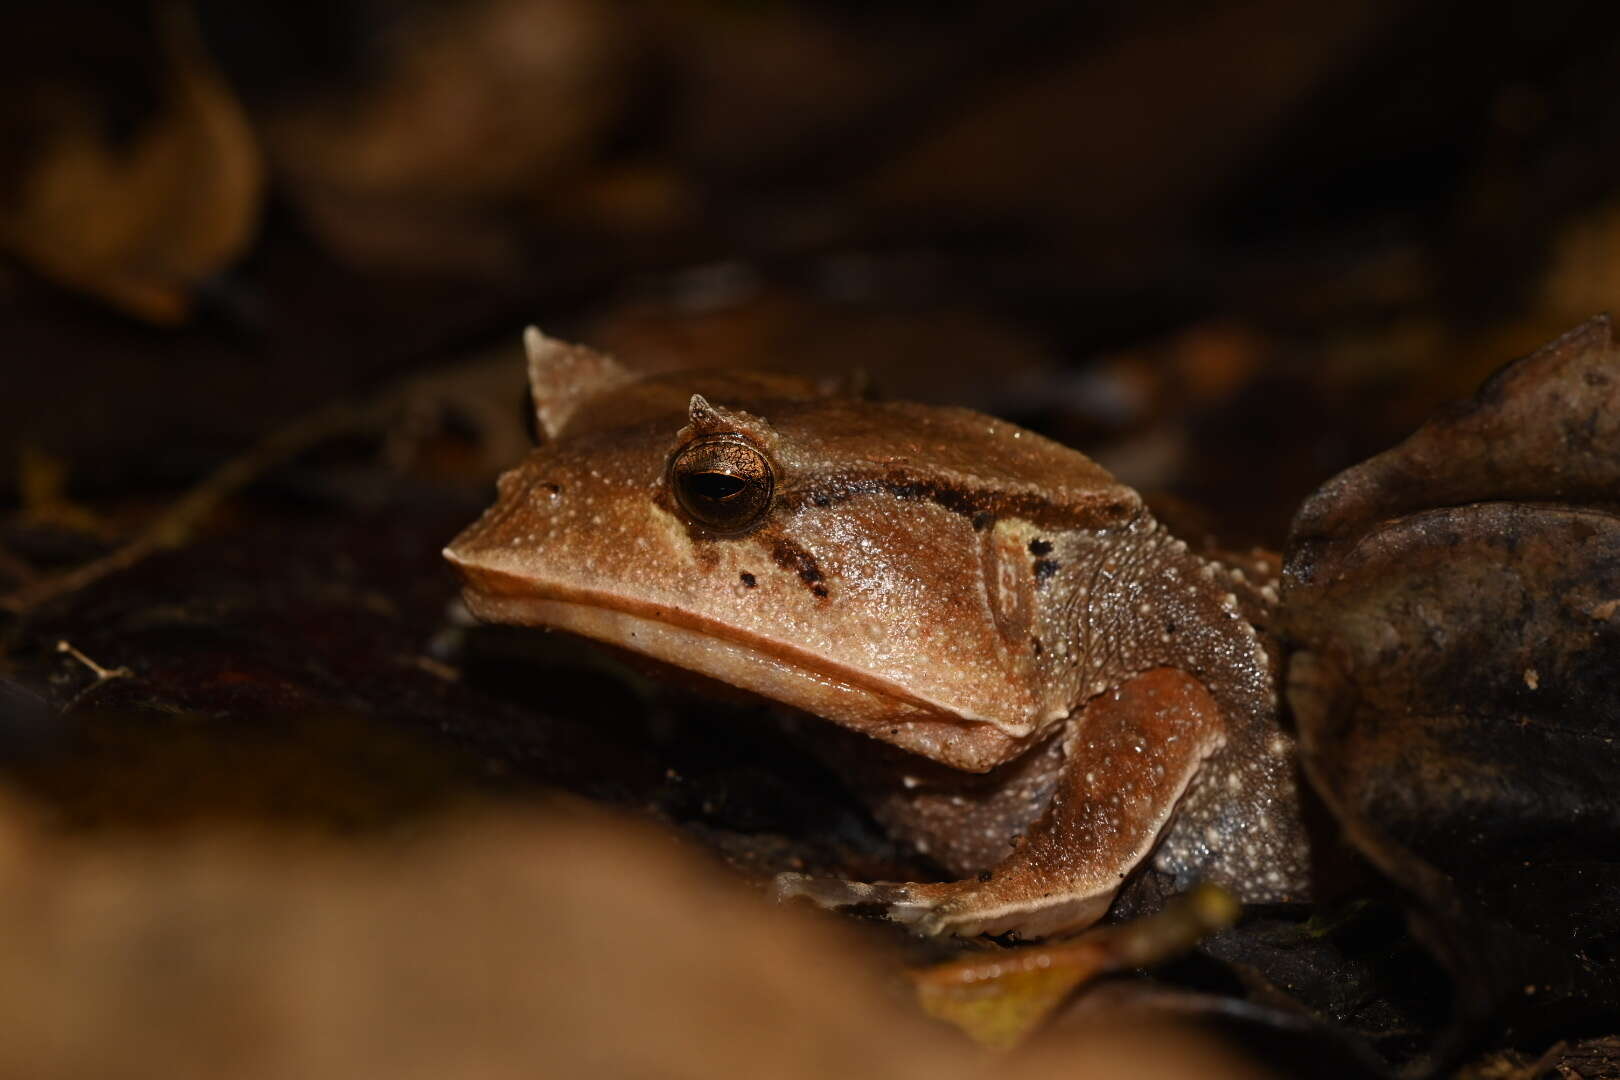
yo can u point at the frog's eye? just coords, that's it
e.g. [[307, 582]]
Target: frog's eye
[[722, 482]]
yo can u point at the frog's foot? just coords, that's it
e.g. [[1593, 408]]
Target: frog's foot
[[1128, 762], [960, 908], [900, 902]]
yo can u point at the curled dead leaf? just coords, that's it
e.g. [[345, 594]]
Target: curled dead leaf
[[1454, 678], [139, 223]]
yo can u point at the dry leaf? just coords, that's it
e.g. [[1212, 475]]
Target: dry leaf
[[500, 946], [1000, 999], [139, 223], [475, 109], [1452, 604]]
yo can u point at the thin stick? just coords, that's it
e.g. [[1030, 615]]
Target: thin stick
[[103, 675], [176, 525]]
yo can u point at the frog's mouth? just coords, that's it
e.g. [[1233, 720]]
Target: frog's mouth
[[771, 669]]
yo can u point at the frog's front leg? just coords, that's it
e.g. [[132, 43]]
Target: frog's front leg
[[1128, 759]]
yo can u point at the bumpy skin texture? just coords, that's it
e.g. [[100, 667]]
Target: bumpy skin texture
[[1003, 617]]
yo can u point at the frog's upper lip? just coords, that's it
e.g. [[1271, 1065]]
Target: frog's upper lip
[[504, 594], [772, 668]]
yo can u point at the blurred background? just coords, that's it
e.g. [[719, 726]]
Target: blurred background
[[264, 266], [1274, 234]]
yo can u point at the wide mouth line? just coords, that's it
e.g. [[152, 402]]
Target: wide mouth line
[[805, 662]]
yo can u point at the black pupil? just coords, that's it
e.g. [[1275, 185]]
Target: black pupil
[[714, 486]]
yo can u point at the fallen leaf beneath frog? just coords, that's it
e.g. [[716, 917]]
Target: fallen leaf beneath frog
[[139, 224], [1453, 606], [1000, 999]]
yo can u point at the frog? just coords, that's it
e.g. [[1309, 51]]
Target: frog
[[1024, 674]]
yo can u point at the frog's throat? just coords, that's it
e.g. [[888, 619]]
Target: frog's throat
[[793, 676]]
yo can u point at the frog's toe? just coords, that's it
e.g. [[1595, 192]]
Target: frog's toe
[[927, 909], [891, 900]]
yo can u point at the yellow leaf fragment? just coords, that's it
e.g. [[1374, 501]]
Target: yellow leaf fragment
[[998, 999]]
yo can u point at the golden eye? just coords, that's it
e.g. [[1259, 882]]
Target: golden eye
[[722, 482]]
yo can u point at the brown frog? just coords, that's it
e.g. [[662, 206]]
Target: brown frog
[[1047, 689]]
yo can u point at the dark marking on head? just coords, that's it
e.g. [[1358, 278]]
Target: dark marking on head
[[1040, 547], [555, 489], [791, 556], [1039, 648], [985, 875], [981, 506], [1169, 627], [1045, 568], [748, 579]]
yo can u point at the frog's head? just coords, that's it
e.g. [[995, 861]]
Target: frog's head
[[887, 566]]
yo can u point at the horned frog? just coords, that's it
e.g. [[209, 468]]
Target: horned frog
[[1053, 690]]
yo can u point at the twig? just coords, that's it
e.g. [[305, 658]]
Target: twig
[[103, 675], [175, 526]]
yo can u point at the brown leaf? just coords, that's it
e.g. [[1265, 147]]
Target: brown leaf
[[470, 111], [491, 946], [1545, 427], [139, 223], [1452, 605]]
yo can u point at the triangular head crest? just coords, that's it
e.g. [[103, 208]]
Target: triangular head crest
[[562, 377]]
